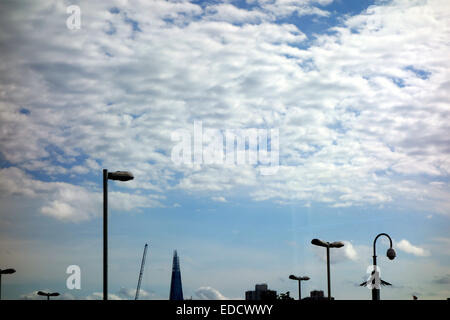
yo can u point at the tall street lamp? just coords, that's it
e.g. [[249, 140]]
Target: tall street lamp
[[299, 279], [120, 176], [48, 294], [4, 271], [328, 245], [390, 254]]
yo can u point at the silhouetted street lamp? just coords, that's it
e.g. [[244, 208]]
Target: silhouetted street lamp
[[390, 254], [299, 279], [120, 176], [328, 245], [48, 294], [5, 271]]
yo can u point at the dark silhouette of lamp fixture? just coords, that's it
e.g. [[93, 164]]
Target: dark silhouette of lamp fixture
[[48, 294], [4, 271], [328, 245], [118, 176], [391, 256], [299, 279]]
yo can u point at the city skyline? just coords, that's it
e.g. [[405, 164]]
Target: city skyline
[[349, 103]]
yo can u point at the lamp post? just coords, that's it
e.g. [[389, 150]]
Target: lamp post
[[120, 176], [328, 245], [48, 294], [4, 271], [299, 279], [390, 254]]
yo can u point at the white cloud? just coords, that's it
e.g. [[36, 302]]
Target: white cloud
[[229, 13], [99, 296], [359, 122], [285, 8], [219, 199], [209, 293], [406, 246], [68, 202], [130, 294], [349, 251]]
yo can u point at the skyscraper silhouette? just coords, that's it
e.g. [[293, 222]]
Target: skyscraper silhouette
[[176, 290]]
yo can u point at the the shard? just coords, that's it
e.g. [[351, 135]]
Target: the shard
[[176, 289]]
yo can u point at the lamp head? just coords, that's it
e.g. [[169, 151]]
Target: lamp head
[[304, 278], [336, 244], [292, 277], [7, 271], [391, 254], [120, 175], [320, 243]]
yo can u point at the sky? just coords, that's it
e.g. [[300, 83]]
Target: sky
[[353, 99]]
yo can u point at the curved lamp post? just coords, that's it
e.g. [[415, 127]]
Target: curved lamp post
[[48, 294], [120, 176], [4, 271], [328, 245], [390, 254], [299, 279]]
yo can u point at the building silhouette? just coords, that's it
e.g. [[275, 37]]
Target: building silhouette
[[176, 289], [261, 293], [317, 295]]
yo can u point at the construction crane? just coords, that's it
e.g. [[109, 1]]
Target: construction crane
[[141, 272]]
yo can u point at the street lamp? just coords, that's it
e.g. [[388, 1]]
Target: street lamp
[[390, 254], [120, 176], [299, 279], [4, 271], [48, 294], [328, 245]]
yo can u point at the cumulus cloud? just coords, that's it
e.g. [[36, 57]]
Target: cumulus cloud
[[99, 296], [406, 246], [229, 13], [285, 8], [209, 293], [130, 294], [360, 123], [219, 199], [349, 251], [67, 202]]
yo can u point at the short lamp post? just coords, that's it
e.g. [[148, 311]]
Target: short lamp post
[[120, 176], [48, 294], [4, 271], [299, 279]]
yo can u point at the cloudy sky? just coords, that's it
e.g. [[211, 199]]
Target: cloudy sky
[[359, 92]]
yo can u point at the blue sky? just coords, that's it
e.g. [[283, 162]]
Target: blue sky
[[358, 91]]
